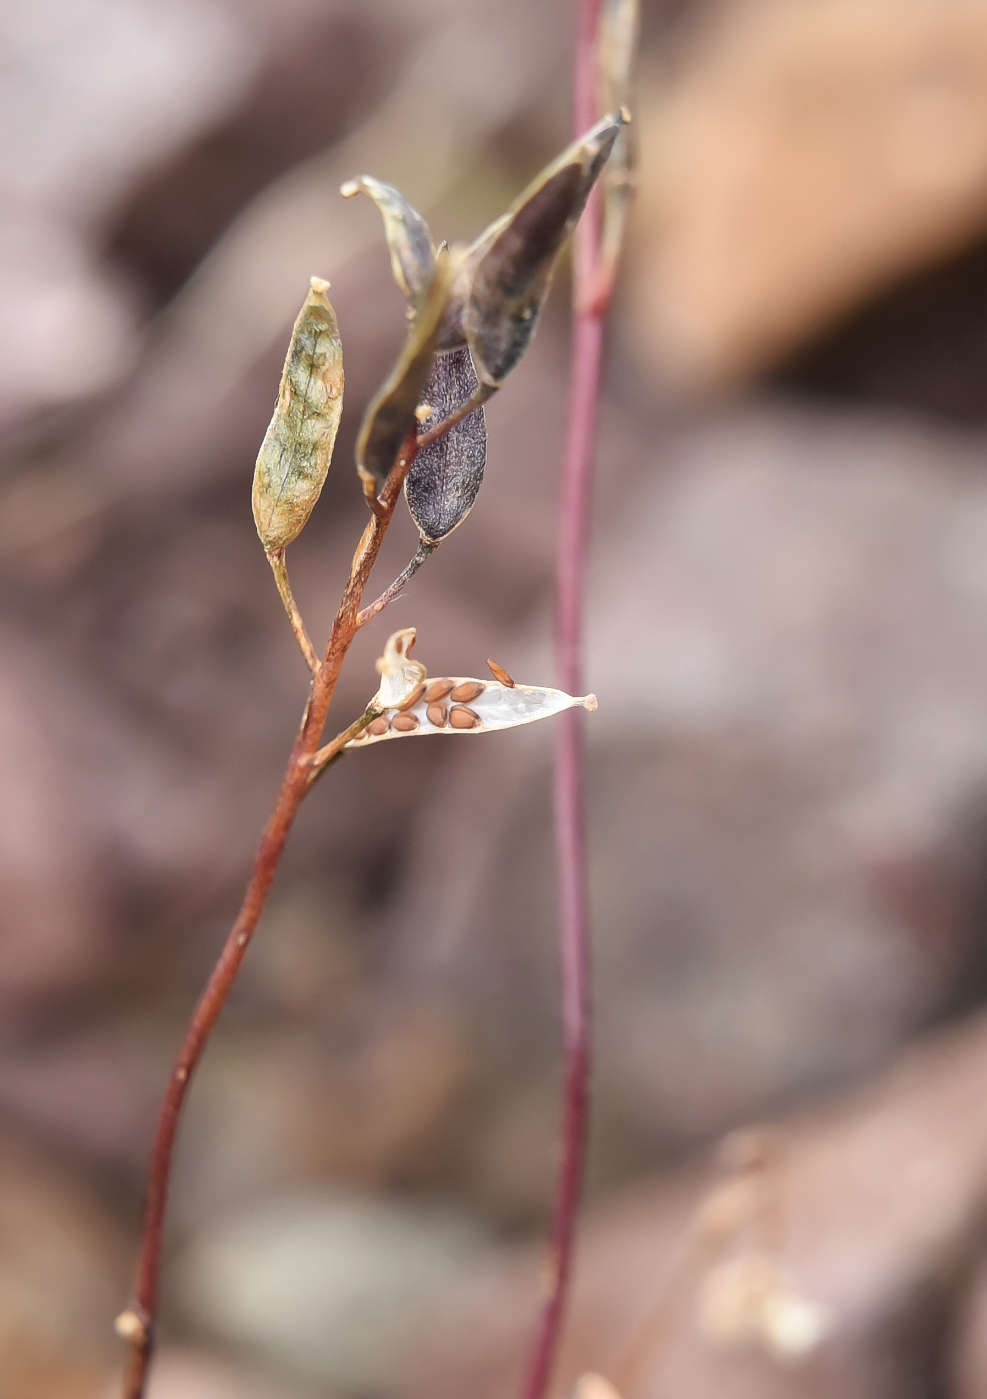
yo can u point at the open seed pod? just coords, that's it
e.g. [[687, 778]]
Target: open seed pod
[[513, 261], [390, 415], [297, 449], [446, 475], [453, 704], [407, 234]]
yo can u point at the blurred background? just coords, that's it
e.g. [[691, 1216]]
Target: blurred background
[[788, 769]]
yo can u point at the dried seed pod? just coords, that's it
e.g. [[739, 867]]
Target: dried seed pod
[[407, 234], [514, 259], [446, 475], [619, 24], [390, 415], [294, 457], [499, 673], [492, 705], [400, 676], [467, 691]]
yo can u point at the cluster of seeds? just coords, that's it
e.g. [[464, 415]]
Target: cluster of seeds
[[447, 705]]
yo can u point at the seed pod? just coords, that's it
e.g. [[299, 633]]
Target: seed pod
[[390, 415], [407, 234], [619, 23], [515, 258], [491, 706], [446, 475], [400, 676], [294, 457]]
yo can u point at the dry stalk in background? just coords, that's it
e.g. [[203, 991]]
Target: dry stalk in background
[[472, 313], [605, 44]]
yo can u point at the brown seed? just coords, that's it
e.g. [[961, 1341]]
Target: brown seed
[[358, 738], [437, 690], [437, 715], [404, 723], [499, 673], [462, 718], [468, 690], [412, 699], [380, 726]]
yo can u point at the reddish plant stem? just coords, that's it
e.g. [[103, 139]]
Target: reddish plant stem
[[589, 310], [141, 1319]]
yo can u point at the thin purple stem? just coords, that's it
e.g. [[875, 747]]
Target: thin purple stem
[[570, 842]]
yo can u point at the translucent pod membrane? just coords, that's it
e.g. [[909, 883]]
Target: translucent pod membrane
[[461, 704]]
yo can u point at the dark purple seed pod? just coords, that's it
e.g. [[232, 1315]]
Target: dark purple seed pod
[[446, 475], [513, 261]]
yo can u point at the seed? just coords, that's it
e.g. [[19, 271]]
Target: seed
[[404, 723], [437, 690], [358, 738], [380, 726], [499, 673], [412, 699], [462, 718], [437, 715], [468, 690]]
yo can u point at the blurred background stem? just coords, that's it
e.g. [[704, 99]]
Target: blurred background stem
[[574, 932]]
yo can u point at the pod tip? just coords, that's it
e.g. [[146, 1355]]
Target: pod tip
[[589, 702]]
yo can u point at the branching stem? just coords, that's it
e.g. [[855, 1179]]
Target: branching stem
[[424, 551], [307, 760]]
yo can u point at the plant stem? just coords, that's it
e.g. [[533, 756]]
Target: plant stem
[[425, 550], [276, 559], [574, 933], [138, 1323]]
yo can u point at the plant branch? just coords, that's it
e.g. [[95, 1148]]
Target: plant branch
[[138, 1323], [589, 309], [425, 549], [477, 399], [320, 761], [276, 559]]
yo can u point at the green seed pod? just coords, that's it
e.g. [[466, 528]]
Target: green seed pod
[[390, 415], [294, 457], [515, 258], [446, 475], [407, 234]]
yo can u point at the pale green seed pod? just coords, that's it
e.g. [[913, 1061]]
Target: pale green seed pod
[[297, 449], [408, 238], [390, 415], [513, 261]]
